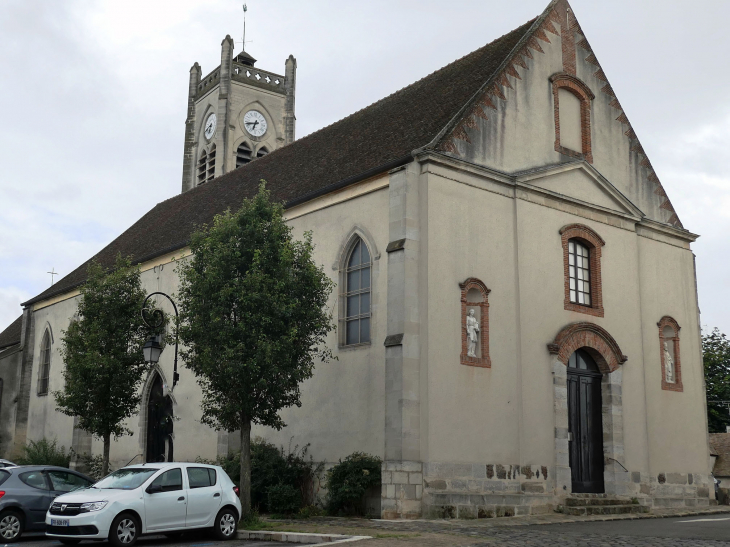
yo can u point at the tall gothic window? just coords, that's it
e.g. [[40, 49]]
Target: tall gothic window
[[357, 295], [45, 364], [580, 273], [261, 152], [243, 154], [206, 165]]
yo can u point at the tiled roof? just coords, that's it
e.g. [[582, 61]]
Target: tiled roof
[[11, 335], [720, 445], [368, 142]]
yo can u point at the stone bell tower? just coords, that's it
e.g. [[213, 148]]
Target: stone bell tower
[[236, 114]]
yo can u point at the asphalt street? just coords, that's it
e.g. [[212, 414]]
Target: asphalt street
[[191, 539]]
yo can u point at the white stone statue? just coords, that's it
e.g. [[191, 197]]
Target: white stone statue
[[668, 365], [472, 332]]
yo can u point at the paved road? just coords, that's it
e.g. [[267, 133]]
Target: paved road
[[191, 539], [700, 531]]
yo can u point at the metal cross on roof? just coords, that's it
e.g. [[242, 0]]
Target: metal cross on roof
[[52, 272]]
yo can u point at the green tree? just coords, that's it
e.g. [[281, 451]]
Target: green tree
[[253, 319], [716, 357], [102, 350]]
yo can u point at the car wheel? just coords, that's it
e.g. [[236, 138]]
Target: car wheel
[[70, 541], [225, 524], [125, 530], [11, 526]]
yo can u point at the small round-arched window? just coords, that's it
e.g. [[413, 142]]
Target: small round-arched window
[[357, 295]]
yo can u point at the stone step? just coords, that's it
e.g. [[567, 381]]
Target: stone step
[[606, 510], [582, 502]]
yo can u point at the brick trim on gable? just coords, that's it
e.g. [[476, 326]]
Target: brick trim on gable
[[667, 321], [484, 361], [595, 244], [584, 94]]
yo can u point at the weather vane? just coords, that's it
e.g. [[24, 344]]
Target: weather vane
[[52, 272]]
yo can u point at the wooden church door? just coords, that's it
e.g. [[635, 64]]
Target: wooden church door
[[585, 424]]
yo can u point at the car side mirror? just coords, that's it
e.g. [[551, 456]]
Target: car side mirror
[[154, 489]]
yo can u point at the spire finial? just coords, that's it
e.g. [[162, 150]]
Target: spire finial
[[243, 43]]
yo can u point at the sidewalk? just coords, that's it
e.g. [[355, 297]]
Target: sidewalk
[[433, 533]]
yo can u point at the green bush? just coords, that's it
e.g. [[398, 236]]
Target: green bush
[[284, 499], [348, 481], [92, 465], [272, 466], [44, 452]]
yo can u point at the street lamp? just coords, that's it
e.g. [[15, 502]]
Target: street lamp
[[152, 348]]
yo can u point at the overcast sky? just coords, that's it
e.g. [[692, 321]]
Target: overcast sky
[[94, 93]]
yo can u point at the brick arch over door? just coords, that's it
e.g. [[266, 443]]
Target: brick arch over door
[[596, 340]]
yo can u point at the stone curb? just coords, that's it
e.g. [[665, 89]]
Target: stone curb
[[298, 537]]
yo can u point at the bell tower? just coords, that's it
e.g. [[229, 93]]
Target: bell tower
[[236, 114]]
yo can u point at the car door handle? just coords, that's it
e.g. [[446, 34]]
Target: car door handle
[[217, 495], [181, 498]]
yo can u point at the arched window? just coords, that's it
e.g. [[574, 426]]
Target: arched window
[[356, 294], [572, 105], [582, 269], [579, 267], [243, 154], [44, 369], [261, 152], [202, 166], [211, 164]]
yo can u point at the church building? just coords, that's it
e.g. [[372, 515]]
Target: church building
[[516, 302]]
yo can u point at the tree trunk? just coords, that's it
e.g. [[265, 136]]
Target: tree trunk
[[246, 468], [105, 461]]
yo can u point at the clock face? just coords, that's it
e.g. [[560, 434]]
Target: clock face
[[255, 123], [210, 124]]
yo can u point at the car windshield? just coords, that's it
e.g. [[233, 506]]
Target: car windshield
[[126, 479]]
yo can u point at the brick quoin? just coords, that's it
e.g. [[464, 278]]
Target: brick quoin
[[667, 321], [594, 242], [585, 95], [484, 361], [589, 336]]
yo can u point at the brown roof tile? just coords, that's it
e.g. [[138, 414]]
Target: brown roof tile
[[11, 335], [369, 141], [720, 445]]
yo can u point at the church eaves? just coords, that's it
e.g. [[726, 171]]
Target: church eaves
[[370, 141], [11, 335]]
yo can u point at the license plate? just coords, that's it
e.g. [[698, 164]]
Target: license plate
[[59, 522]]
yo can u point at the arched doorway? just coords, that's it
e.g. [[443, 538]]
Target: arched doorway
[[585, 429], [159, 424]]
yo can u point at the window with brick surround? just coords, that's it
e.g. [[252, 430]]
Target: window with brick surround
[[582, 248], [572, 109], [671, 365], [475, 297], [355, 298], [44, 370]]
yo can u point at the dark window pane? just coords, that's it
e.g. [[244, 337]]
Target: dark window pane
[[353, 336], [353, 306], [355, 256], [169, 481], [365, 256], [365, 303], [66, 482], [212, 476], [353, 281], [365, 279], [365, 330], [198, 477], [34, 479]]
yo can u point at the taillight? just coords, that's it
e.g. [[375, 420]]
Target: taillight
[[2, 493], [236, 491]]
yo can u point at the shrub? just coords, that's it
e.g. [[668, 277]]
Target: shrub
[[272, 466], [92, 465], [348, 481], [44, 452], [284, 499]]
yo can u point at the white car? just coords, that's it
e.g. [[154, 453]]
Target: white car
[[154, 498]]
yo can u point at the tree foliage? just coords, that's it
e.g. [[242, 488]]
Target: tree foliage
[[349, 480], [102, 351], [716, 357], [253, 319]]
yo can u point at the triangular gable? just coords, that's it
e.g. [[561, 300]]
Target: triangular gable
[[490, 101], [581, 182]]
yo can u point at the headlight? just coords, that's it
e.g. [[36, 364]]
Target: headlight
[[93, 506]]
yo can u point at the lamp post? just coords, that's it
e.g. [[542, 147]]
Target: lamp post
[[152, 348]]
